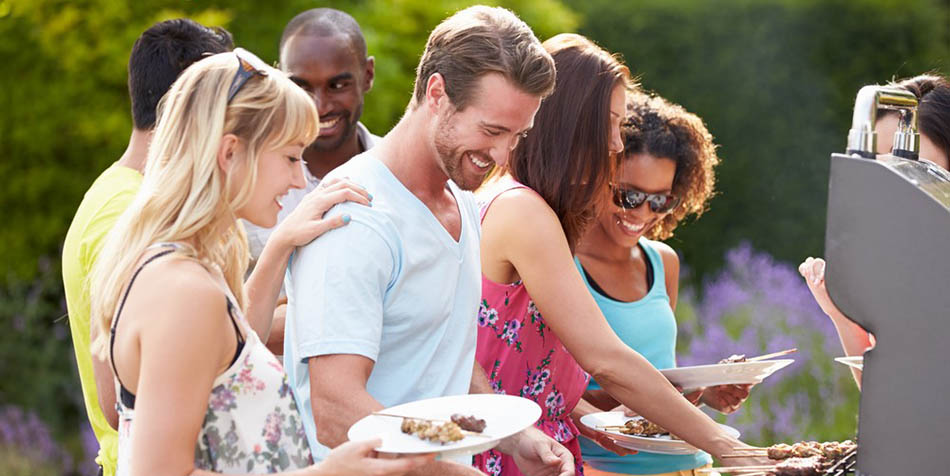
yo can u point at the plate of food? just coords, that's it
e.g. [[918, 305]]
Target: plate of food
[[732, 370], [454, 426], [639, 434], [856, 361]]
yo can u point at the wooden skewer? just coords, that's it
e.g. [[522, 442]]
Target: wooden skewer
[[409, 417], [742, 455], [773, 354], [734, 469]]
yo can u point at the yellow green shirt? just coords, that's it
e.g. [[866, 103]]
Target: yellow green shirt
[[101, 207]]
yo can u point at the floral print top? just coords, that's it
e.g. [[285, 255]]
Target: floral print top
[[523, 357], [252, 424]]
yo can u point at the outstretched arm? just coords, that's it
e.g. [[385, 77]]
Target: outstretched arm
[[572, 314], [854, 339]]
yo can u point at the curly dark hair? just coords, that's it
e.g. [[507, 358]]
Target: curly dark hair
[[659, 128]]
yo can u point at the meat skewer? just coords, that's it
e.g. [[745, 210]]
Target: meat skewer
[[447, 432], [470, 421], [804, 449], [736, 358], [638, 427], [815, 465]]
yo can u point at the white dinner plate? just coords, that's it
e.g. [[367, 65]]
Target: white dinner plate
[[504, 416], [649, 444], [697, 376], [856, 361]]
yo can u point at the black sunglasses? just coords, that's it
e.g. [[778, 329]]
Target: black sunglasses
[[248, 67], [631, 198]]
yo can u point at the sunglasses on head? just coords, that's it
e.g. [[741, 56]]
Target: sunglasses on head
[[630, 198], [249, 66]]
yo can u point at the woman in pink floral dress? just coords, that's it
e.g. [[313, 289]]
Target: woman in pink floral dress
[[540, 332]]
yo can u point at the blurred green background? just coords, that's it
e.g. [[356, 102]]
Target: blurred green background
[[774, 81]]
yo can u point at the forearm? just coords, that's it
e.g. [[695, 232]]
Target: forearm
[[334, 412], [854, 339], [480, 383], [262, 287], [582, 408], [640, 387]]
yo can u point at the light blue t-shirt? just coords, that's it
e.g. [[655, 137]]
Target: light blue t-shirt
[[649, 327], [392, 286]]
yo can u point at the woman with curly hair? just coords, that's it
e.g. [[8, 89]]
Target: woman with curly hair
[[666, 173]]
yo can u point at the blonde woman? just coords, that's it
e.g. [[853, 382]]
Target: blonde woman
[[199, 392]]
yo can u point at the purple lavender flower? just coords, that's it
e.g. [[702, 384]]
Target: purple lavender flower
[[757, 305]]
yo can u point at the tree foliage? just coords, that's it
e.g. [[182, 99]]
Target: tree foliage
[[775, 82], [66, 109]]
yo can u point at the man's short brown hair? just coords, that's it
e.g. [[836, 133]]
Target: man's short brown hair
[[480, 40]]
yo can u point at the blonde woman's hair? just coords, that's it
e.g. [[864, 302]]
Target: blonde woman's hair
[[185, 196]]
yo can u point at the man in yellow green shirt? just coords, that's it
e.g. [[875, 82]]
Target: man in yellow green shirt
[[158, 57]]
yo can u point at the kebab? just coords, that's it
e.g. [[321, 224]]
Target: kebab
[[469, 422], [639, 427], [803, 449], [811, 466], [447, 432]]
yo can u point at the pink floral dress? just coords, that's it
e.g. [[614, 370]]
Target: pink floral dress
[[521, 356]]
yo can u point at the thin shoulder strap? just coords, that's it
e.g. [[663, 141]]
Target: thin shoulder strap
[[115, 322], [502, 188]]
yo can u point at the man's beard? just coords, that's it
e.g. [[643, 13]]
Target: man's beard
[[451, 155]]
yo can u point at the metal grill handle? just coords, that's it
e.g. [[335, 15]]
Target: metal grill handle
[[862, 140]]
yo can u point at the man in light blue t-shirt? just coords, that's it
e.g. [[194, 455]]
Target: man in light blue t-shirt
[[382, 311]]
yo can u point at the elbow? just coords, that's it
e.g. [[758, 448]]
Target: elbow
[[606, 368], [616, 370], [330, 431]]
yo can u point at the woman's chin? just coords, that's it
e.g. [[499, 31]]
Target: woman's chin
[[262, 220]]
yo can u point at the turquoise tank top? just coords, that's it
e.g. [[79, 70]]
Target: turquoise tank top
[[649, 327]]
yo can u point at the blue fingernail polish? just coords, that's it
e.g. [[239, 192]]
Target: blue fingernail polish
[[370, 195], [346, 219]]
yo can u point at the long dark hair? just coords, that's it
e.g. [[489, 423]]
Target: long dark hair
[[565, 158]]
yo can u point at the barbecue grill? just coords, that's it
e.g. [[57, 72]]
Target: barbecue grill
[[888, 268]]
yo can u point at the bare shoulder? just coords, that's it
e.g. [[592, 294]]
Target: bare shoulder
[[523, 208], [667, 253], [176, 292]]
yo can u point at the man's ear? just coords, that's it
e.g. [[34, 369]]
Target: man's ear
[[369, 74], [436, 96], [228, 151]]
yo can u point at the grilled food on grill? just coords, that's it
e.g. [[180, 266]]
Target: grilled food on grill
[[811, 466], [734, 358], [805, 449], [426, 430], [469, 422]]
